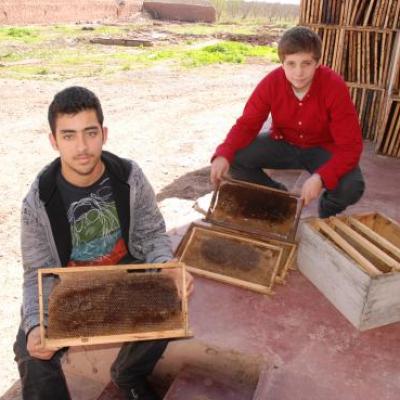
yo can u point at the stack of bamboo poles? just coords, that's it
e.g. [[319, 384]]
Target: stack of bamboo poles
[[374, 13], [361, 41], [390, 141]]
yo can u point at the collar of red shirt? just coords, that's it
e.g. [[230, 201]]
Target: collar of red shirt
[[313, 87]]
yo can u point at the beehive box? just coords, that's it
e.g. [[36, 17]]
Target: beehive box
[[247, 238], [355, 262], [112, 304]]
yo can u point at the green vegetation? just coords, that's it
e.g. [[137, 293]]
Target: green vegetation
[[227, 52], [17, 34], [64, 51]]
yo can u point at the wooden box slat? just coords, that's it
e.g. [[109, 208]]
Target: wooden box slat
[[255, 209], [233, 258], [97, 305], [377, 256], [353, 262], [383, 226]]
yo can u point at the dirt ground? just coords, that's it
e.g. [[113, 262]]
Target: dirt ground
[[168, 120]]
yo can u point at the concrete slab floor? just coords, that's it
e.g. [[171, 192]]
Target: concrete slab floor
[[313, 351], [194, 384], [317, 354]]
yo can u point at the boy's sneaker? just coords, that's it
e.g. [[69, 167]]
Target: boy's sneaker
[[141, 391]]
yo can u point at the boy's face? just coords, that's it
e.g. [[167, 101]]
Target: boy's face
[[79, 139], [300, 69]]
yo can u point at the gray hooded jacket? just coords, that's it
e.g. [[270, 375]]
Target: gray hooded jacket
[[45, 232]]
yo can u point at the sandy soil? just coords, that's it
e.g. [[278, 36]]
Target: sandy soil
[[167, 120]]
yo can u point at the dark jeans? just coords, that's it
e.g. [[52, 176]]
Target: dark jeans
[[268, 153], [45, 380]]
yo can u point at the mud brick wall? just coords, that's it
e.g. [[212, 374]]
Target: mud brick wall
[[61, 11], [181, 10]]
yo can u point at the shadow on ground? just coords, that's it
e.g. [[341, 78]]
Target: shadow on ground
[[190, 186]]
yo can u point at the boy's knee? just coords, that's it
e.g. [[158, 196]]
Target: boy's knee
[[347, 193], [351, 191]]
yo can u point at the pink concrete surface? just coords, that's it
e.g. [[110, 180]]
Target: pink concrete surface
[[193, 384], [315, 353], [313, 349], [312, 352], [111, 392]]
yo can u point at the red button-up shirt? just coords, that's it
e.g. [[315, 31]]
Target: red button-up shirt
[[325, 117]]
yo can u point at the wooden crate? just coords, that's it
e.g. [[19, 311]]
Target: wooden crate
[[355, 262], [247, 238], [112, 304]]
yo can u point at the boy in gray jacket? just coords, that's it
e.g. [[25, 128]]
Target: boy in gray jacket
[[88, 207]]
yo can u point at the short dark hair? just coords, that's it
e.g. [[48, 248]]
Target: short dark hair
[[72, 100], [300, 40]]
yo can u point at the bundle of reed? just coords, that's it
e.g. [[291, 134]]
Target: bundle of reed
[[389, 142], [321, 11], [369, 103], [373, 13], [383, 14], [361, 41], [366, 56], [396, 84], [331, 45]]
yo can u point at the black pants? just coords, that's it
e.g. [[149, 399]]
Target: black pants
[[268, 153], [45, 380]]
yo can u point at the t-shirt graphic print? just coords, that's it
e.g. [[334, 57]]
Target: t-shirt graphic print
[[94, 223]]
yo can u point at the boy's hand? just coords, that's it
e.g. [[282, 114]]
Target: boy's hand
[[34, 346], [219, 168], [311, 189]]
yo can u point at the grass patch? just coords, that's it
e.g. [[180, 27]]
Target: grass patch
[[91, 60], [227, 52], [18, 34], [64, 51]]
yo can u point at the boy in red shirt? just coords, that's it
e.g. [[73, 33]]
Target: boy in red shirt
[[314, 127]]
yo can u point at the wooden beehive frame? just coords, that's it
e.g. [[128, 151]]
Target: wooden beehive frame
[[181, 332], [279, 270], [361, 243], [288, 248], [239, 226]]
